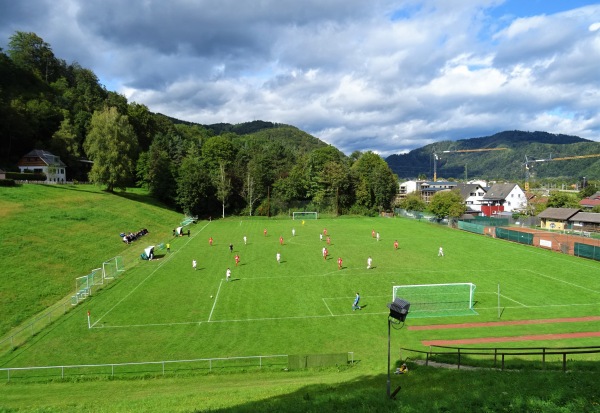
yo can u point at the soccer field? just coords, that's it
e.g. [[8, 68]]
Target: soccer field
[[165, 309]]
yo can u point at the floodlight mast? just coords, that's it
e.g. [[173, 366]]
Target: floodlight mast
[[398, 312]]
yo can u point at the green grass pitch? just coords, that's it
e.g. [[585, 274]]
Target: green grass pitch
[[165, 310]]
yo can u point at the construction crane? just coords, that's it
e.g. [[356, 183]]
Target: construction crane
[[529, 162], [436, 157]]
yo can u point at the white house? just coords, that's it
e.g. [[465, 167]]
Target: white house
[[40, 161], [473, 195], [503, 198]]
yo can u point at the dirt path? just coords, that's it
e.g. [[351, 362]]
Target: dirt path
[[536, 337], [505, 323]]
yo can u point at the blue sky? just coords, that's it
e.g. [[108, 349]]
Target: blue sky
[[381, 75]]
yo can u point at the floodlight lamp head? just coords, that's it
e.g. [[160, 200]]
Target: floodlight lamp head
[[399, 309]]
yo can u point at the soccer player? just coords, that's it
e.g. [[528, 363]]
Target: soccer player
[[441, 252], [237, 259], [210, 241], [265, 232], [373, 233], [278, 257], [369, 262], [355, 305], [227, 274], [340, 263], [377, 236], [325, 253], [293, 232], [321, 237], [328, 241], [194, 264], [325, 231], [396, 244], [280, 240], [168, 247], [230, 247], [245, 240]]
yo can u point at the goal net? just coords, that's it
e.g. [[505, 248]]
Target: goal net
[[84, 285], [438, 300], [112, 268], [305, 215]]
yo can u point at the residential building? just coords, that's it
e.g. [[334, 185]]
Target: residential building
[[503, 198], [473, 195], [590, 202], [40, 161]]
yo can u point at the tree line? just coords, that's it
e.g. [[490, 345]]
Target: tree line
[[255, 168]]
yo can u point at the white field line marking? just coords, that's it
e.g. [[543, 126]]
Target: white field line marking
[[564, 282], [215, 302], [328, 309], [528, 307], [159, 266], [154, 324], [479, 309], [242, 320], [514, 301]]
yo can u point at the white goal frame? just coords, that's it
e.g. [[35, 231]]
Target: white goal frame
[[450, 296], [304, 214], [112, 268]]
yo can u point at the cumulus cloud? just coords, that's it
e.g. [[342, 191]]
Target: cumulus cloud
[[384, 75]]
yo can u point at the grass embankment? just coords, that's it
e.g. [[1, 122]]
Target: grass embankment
[[51, 234]]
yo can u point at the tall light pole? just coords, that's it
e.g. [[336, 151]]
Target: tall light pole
[[398, 312]]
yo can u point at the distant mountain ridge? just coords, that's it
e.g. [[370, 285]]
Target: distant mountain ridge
[[506, 164]]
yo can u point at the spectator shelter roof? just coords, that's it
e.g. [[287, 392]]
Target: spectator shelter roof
[[561, 214], [588, 217]]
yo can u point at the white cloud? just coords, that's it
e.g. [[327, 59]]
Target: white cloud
[[384, 75]]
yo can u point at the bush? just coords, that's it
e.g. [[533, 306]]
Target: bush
[[18, 176], [7, 182]]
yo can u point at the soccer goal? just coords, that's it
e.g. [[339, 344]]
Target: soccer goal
[[112, 268], [84, 285], [437, 300], [305, 215]]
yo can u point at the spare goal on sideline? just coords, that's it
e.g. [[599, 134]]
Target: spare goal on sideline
[[305, 215], [437, 300]]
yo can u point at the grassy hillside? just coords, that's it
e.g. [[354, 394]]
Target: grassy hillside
[[49, 235]]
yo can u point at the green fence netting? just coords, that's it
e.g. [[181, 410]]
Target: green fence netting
[[469, 226], [516, 236], [586, 251]]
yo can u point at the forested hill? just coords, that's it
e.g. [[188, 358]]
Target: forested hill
[[508, 164]]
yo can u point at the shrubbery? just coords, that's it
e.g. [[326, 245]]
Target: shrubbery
[[7, 182], [19, 176]]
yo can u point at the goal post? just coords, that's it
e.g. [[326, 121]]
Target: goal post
[[437, 300], [85, 284], [304, 215], [112, 268]]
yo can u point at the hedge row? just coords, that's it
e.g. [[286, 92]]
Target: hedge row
[[18, 176], [7, 182]]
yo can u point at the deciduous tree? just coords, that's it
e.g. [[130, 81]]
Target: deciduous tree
[[112, 145]]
